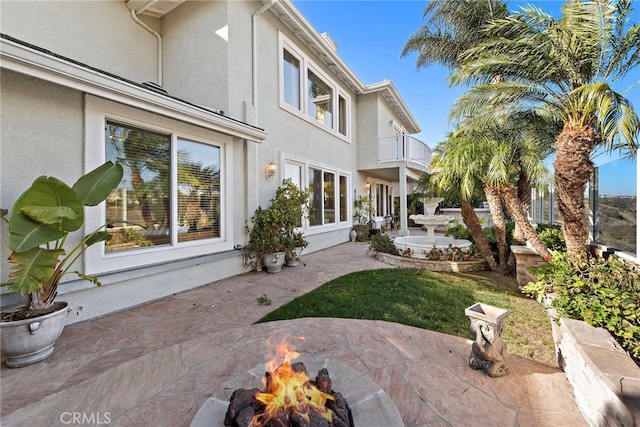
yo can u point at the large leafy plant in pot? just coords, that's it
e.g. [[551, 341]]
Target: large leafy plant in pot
[[40, 222]]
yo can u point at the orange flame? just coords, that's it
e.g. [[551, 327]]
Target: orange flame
[[288, 390]]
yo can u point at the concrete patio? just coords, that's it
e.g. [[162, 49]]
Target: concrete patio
[[155, 365]]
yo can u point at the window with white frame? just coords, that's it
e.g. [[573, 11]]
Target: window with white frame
[[140, 209], [323, 196], [291, 79], [324, 103], [174, 199], [328, 191]]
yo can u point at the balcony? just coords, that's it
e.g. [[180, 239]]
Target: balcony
[[404, 148]]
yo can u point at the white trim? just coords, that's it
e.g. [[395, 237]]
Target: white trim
[[97, 112], [34, 63]]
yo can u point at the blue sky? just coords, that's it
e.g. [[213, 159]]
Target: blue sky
[[370, 36]]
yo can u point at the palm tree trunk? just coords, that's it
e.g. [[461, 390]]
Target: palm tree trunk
[[472, 222], [495, 206], [524, 196], [510, 197], [573, 168]]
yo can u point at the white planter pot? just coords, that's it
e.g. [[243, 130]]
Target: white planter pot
[[29, 341], [273, 262], [294, 260]]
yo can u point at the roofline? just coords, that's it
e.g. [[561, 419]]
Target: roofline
[[290, 16], [392, 96], [34, 61]]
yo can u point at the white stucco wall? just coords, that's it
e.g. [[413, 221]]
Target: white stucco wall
[[99, 33], [195, 57], [41, 134]]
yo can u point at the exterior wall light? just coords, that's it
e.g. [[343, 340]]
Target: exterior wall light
[[271, 170]]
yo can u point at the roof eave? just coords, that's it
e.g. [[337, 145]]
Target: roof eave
[[49, 67]]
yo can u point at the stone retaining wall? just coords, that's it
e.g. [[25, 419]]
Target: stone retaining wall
[[425, 264], [605, 380]]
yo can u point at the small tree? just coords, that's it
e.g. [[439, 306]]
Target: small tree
[[362, 213]]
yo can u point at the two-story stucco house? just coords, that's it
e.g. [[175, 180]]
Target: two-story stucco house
[[208, 105]]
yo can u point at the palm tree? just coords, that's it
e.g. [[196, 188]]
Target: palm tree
[[563, 68], [499, 156], [452, 27], [455, 178]]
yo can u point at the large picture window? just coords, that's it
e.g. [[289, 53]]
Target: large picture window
[[175, 200], [140, 209]]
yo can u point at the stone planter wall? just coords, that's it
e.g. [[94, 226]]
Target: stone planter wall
[[425, 264], [605, 380], [525, 258]]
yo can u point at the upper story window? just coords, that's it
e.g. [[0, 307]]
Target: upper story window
[[305, 90], [291, 79], [320, 101], [174, 200]]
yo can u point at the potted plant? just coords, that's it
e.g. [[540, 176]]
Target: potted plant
[[294, 244], [273, 230], [266, 240], [361, 216], [40, 222]]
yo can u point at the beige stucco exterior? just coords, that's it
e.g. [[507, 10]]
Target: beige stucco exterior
[[66, 66]]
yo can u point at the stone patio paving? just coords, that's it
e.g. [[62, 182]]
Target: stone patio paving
[[155, 365]]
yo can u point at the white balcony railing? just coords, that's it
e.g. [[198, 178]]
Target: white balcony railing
[[403, 148]]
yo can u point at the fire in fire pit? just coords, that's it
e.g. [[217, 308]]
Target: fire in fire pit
[[289, 399]]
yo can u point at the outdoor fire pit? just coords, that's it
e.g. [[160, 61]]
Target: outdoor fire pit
[[367, 403], [289, 399]]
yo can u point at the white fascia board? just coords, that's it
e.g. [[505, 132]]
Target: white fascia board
[[32, 62], [392, 96]]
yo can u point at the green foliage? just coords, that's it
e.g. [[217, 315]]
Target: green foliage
[[603, 293], [382, 243], [552, 237], [363, 210], [274, 228], [41, 220], [458, 231]]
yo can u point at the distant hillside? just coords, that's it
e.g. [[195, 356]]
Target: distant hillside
[[618, 221]]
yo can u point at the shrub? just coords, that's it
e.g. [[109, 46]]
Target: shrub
[[458, 231], [382, 243], [603, 293], [552, 237]]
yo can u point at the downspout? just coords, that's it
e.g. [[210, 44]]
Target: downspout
[[254, 54], [253, 167], [134, 16]]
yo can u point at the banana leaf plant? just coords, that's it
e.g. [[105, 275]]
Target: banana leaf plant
[[41, 220]]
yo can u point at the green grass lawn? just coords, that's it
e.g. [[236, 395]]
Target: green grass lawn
[[428, 300]]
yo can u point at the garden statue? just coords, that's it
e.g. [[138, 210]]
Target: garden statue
[[488, 351]]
